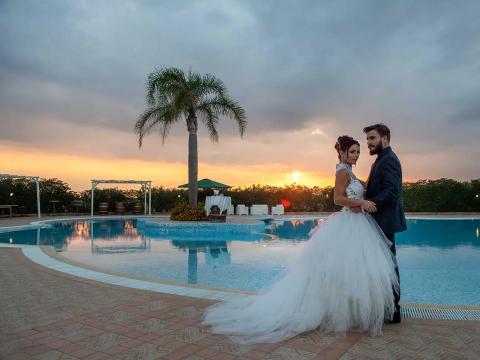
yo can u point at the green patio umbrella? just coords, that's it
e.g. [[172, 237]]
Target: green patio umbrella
[[208, 184]]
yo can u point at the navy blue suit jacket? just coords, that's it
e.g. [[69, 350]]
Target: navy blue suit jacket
[[384, 188]]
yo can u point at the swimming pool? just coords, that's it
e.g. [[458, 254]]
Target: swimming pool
[[439, 259]]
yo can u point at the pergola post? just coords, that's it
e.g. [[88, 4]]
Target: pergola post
[[91, 234], [91, 201], [37, 183], [149, 198], [145, 199]]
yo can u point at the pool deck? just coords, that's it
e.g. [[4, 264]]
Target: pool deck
[[47, 314]]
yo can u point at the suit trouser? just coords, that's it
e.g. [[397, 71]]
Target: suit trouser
[[396, 295]]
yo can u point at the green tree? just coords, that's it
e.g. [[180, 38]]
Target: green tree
[[173, 95], [54, 189], [23, 193]]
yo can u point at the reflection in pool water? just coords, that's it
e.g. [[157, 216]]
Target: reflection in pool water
[[439, 259], [124, 239]]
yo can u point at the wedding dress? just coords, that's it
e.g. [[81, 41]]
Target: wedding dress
[[342, 280]]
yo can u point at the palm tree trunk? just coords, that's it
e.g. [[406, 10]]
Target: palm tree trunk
[[192, 265], [192, 161]]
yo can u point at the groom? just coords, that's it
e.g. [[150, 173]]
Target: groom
[[384, 188]]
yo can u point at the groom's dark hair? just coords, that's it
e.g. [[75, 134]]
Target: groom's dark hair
[[382, 129]]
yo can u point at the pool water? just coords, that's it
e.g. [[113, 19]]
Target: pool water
[[439, 260]]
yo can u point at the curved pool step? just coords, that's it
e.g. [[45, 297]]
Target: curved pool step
[[35, 254]]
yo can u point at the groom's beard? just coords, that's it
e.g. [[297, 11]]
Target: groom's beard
[[377, 149]]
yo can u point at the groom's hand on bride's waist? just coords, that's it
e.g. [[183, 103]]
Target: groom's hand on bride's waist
[[369, 206]]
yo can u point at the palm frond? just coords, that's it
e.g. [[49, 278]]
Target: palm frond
[[195, 92], [210, 119], [163, 84], [212, 85], [182, 100], [225, 106], [144, 124], [163, 116]]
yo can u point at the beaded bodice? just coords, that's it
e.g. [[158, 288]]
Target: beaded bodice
[[355, 188]]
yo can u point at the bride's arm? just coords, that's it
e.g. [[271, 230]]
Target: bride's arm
[[342, 180]]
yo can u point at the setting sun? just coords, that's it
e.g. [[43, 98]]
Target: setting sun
[[296, 176]]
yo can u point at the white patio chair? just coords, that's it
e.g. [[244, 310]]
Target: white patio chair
[[258, 209], [231, 210], [242, 209], [278, 210]]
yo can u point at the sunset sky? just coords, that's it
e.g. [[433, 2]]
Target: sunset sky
[[72, 84]]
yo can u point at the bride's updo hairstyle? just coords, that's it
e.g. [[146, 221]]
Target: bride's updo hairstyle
[[344, 143]]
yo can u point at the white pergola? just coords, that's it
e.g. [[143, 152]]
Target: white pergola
[[144, 183], [35, 178]]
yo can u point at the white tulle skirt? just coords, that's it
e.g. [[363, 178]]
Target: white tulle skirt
[[341, 281]]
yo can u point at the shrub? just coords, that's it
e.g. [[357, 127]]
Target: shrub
[[182, 212]]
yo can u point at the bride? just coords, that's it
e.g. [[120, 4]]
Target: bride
[[342, 279]]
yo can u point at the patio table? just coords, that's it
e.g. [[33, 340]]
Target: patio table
[[223, 202]]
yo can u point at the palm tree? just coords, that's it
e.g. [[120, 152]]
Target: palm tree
[[172, 95]]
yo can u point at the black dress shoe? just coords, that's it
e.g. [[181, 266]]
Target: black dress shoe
[[396, 318]]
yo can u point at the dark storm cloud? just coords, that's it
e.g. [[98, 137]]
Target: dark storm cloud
[[411, 64]]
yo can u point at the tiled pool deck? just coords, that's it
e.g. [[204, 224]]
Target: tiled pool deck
[[48, 314]]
